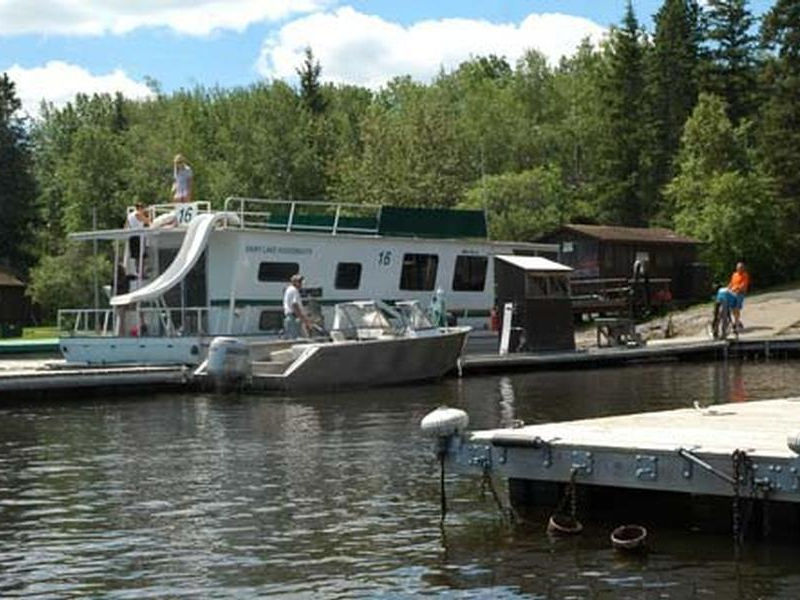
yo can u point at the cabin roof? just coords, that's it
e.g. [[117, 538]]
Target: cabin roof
[[615, 233], [8, 280], [534, 263]]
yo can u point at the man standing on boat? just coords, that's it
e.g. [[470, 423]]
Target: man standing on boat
[[293, 313], [182, 186], [136, 219]]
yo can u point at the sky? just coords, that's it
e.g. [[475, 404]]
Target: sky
[[53, 49]]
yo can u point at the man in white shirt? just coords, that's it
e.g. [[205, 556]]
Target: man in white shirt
[[136, 219], [293, 313]]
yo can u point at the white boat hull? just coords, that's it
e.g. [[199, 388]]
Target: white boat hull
[[368, 363]]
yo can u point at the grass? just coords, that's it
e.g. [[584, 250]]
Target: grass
[[39, 333]]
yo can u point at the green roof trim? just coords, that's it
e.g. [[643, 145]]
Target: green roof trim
[[432, 222]]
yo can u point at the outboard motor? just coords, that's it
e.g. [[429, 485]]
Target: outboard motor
[[228, 362]]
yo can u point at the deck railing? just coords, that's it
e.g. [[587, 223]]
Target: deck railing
[[323, 217], [142, 322]]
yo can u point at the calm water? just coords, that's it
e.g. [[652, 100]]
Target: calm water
[[337, 496]]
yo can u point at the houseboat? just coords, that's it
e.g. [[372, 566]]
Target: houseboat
[[201, 273]]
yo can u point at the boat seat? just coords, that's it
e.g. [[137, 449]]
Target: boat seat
[[271, 367], [281, 356]]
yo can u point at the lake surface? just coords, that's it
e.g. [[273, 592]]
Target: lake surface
[[337, 496]]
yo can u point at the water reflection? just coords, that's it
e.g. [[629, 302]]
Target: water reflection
[[336, 495], [507, 401]]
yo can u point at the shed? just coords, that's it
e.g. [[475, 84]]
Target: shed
[[607, 252], [539, 290], [13, 304]]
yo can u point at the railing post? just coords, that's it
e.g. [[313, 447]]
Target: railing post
[[291, 217], [336, 218]]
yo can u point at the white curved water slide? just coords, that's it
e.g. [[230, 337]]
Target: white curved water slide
[[191, 249]]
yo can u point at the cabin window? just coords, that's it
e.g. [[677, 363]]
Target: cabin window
[[470, 273], [419, 272], [277, 271], [270, 320], [348, 276], [546, 286]]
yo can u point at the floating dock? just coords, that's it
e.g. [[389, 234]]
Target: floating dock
[[661, 351], [725, 451], [33, 377], [22, 372]]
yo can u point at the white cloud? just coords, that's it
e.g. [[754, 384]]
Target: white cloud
[[356, 48], [58, 82], [96, 17]]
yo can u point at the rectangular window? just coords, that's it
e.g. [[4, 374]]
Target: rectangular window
[[419, 272], [270, 320], [348, 276], [277, 271], [470, 273]]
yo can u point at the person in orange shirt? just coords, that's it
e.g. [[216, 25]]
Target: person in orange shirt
[[738, 287]]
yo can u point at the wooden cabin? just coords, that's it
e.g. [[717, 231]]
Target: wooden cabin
[[13, 304], [604, 258]]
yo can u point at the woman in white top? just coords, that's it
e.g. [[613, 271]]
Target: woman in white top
[[182, 186]]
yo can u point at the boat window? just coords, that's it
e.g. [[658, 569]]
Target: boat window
[[419, 271], [270, 320], [348, 276], [277, 271], [470, 273]]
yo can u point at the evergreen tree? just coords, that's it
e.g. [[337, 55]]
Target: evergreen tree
[[310, 86], [731, 70], [672, 85], [622, 201], [17, 187], [780, 119]]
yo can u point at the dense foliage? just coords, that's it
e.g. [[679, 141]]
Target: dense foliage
[[17, 185], [695, 126]]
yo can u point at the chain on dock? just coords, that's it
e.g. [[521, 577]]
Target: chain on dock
[[742, 476], [487, 483]]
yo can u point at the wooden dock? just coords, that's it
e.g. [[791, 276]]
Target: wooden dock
[[725, 451], [31, 377], [24, 373], [667, 350], [595, 357]]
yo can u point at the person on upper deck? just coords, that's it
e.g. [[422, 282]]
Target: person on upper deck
[[182, 186], [293, 313], [136, 219]]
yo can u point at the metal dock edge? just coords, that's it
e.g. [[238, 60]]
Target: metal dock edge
[[69, 379], [690, 450]]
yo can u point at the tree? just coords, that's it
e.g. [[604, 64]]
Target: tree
[[722, 199], [623, 200], [17, 185], [672, 86], [780, 117], [310, 86], [521, 206], [731, 71]]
